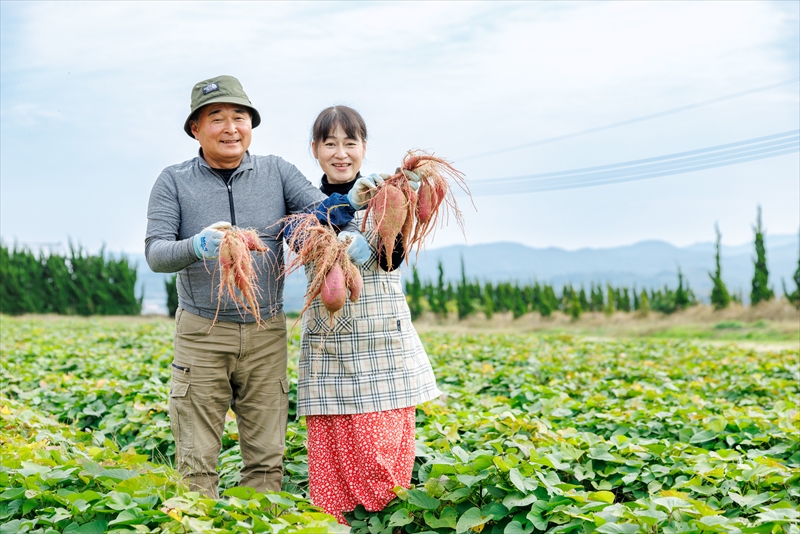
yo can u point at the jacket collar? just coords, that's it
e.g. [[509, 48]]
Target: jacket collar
[[329, 188], [245, 165]]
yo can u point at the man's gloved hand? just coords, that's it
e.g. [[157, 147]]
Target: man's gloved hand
[[363, 190], [206, 243], [358, 249], [413, 179]]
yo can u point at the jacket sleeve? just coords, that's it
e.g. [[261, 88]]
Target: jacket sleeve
[[301, 196], [162, 249]]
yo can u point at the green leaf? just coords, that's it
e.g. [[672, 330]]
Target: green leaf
[[471, 480], [132, 516], [11, 494], [400, 518], [703, 436], [423, 500], [750, 500], [240, 492], [671, 503], [87, 496], [471, 519], [780, 515], [603, 496], [12, 527], [518, 500], [536, 517], [460, 453], [120, 501], [618, 528], [94, 527], [601, 453], [447, 519], [117, 474], [274, 498], [515, 527], [524, 485], [496, 510]]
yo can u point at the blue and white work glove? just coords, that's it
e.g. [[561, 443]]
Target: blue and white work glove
[[413, 179], [366, 186], [363, 189], [358, 249], [206, 243]]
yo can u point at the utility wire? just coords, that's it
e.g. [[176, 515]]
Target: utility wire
[[678, 163], [679, 156], [631, 121]]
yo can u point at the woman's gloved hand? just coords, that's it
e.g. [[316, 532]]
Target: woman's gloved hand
[[206, 243], [413, 179], [363, 189], [358, 249]]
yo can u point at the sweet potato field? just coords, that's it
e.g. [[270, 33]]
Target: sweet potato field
[[534, 434]]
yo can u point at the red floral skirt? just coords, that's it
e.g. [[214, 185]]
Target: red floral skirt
[[359, 459]]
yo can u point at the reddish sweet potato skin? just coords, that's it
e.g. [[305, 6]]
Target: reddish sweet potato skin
[[334, 290], [427, 201], [354, 281], [390, 212]]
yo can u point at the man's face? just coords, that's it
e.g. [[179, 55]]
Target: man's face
[[224, 132]]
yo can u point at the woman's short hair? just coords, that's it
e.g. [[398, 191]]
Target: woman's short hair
[[329, 118]]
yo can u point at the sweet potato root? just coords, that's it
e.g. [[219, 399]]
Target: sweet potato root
[[419, 211], [318, 248], [238, 271]]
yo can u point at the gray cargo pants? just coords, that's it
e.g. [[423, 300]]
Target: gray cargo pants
[[214, 366]]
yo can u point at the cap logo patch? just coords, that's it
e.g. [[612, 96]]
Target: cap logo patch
[[210, 88]]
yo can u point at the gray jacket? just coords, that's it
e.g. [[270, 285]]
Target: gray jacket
[[189, 196]]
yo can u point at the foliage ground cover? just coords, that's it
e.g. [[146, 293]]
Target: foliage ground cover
[[534, 434]]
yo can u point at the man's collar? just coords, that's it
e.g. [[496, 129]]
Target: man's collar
[[245, 164]]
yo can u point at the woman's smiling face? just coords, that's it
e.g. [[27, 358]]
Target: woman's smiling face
[[339, 156]]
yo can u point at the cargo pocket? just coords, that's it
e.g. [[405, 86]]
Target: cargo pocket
[[180, 414]]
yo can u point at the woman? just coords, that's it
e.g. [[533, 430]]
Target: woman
[[362, 374]]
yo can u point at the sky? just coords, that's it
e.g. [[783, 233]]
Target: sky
[[93, 96]]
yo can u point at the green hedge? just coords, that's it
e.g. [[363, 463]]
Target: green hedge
[[78, 284]]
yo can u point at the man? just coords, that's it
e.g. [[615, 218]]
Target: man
[[233, 362]]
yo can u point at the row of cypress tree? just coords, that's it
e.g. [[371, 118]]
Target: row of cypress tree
[[760, 290], [78, 284], [468, 297]]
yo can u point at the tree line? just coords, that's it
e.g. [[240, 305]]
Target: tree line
[[77, 284], [468, 297]]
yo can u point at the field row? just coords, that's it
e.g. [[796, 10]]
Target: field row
[[533, 434]]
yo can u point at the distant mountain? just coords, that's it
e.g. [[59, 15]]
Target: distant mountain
[[644, 264]]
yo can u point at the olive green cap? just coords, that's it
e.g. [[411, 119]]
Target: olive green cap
[[222, 89]]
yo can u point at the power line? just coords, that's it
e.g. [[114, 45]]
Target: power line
[[678, 163], [632, 121]]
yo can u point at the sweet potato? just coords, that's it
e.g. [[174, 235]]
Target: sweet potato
[[354, 281], [237, 270], [334, 290], [421, 209], [318, 248], [390, 212]]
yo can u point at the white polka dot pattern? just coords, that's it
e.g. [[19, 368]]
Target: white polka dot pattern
[[359, 459]]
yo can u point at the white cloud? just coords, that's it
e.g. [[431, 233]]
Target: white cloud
[[104, 86]]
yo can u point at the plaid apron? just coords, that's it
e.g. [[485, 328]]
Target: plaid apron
[[368, 357]]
